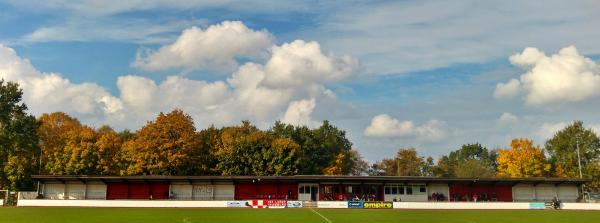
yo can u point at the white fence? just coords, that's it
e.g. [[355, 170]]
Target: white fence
[[121, 203]]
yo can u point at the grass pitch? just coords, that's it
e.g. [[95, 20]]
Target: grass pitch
[[303, 215]]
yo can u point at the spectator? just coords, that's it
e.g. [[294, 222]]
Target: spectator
[[475, 196]]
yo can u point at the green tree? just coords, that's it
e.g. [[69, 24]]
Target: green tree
[[471, 160], [246, 150], [562, 149], [19, 149]]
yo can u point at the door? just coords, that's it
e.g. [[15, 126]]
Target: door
[[308, 192], [313, 193]]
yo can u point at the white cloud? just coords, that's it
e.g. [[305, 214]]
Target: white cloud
[[48, 92], [299, 113], [255, 92], [384, 125], [217, 46], [507, 119], [507, 90], [563, 77], [547, 130], [298, 63]]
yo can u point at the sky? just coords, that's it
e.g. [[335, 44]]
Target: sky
[[432, 75]]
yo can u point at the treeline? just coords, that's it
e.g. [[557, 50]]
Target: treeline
[[170, 145], [522, 158], [57, 143]]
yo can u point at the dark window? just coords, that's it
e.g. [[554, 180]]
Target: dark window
[[401, 190], [387, 190], [408, 190], [422, 190], [394, 190], [302, 189]]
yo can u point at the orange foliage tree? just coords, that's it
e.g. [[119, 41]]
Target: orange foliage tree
[[522, 159], [168, 145]]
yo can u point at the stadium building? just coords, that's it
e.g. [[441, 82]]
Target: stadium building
[[307, 188]]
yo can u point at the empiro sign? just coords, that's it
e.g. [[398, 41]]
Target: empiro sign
[[370, 204]]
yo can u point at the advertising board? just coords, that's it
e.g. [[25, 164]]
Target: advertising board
[[378, 205]]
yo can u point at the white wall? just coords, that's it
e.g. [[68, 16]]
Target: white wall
[[96, 191], [545, 192], [567, 193], [460, 205], [224, 192], [202, 191], [75, 191], [121, 203], [581, 206], [523, 192], [181, 191], [54, 191]]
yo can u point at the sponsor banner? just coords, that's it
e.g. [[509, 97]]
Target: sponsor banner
[[276, 203], [332, 204], [355, 204], [294, 204], [237, 204], [377, 205], [537, 206]]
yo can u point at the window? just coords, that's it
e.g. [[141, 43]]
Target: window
[[408, 190], [387, 190], [422, 190], [395, 190], [401, 190], [302, 189]]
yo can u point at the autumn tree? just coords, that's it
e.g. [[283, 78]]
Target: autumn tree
[[54, 132], [522, 159], [19, 150], [406, 163], [168, 145]]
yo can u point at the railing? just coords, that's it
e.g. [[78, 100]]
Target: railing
[[27, 195]]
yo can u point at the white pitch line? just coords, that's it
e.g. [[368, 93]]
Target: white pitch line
[[325, 218]]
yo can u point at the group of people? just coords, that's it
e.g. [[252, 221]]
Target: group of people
[[475, 197], [437, 197]]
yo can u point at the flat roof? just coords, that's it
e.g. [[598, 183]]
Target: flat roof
[[312, 179]]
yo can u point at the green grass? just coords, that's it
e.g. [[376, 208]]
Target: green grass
[[304, 215]]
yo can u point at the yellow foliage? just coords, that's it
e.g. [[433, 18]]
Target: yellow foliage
[[522, 159]]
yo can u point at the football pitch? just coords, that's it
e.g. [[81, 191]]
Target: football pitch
[[302, 215]]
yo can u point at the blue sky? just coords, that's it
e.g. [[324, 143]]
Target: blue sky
[[426, 74]]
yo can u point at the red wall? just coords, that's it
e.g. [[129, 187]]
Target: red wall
[[503, 193], [117, 191], [123, 190], [249, 191]]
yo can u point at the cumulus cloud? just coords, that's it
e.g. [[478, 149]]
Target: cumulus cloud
[[300, 62], [47, 92], [257, 92], [564, 77], [386, 126], [547, 130], [507, 119], [217, 47], [299, 113], [507, 90]]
